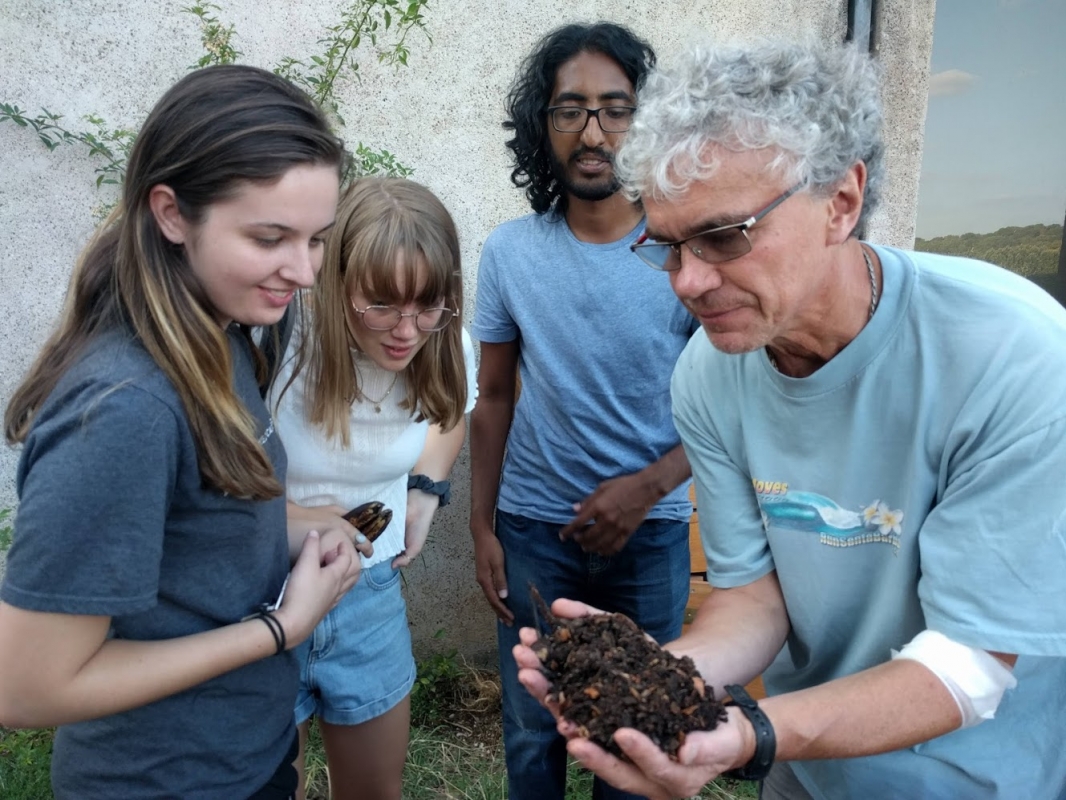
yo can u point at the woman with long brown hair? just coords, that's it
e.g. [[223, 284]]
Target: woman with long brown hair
[[370, 408], [145, 609]]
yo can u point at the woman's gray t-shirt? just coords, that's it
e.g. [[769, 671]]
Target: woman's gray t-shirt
[[114, 520]]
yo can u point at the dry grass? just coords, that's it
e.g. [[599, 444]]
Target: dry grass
[[457, 751]]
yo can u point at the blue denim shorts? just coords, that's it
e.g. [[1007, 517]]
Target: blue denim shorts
[[358, 663]]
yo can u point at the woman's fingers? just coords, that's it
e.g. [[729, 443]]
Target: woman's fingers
[[362, 544]]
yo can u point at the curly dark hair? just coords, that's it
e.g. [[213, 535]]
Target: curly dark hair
[[527, 102]]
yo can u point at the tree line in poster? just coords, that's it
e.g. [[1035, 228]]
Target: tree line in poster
[[1032, 250]]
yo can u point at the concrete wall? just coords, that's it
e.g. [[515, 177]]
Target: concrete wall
[[441, 115]]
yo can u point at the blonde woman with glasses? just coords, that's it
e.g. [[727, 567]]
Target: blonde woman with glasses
[[370, 404]]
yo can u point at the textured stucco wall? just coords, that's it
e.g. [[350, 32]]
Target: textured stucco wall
[[441, 115]]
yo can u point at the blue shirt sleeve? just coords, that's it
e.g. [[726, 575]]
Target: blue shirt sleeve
[[492, 321], [993, 550]]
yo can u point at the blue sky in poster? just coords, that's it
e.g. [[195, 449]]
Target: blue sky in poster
[[995, 136]]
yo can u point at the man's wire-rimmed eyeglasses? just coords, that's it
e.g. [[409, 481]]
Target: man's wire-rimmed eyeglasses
[[573, 119], [385, 318], [713, 246]]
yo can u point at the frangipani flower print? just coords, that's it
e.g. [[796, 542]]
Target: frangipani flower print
[[889, 521], [880, 516], [873, 511]]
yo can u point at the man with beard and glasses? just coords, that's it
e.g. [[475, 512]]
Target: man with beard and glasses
[[591, 500]]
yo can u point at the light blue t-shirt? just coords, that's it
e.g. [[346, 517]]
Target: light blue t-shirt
[[599, 333], [917, 480]]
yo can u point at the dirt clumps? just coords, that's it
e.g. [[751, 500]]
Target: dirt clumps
[[607, 674]]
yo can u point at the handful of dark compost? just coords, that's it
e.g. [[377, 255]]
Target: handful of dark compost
[[606, 674]]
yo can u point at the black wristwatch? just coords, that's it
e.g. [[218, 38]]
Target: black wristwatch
[[443, 489], [765, 740]]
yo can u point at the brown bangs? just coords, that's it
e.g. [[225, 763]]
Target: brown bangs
[[384, 262]]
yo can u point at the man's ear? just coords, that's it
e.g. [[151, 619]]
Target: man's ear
[[845, 204], [164, 205]]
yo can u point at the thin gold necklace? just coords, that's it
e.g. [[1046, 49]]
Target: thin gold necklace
[[384, 397]]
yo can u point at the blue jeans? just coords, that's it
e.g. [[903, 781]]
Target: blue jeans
[[647, 581]]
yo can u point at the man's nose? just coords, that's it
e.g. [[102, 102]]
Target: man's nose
[[593, 135], [694, 277]]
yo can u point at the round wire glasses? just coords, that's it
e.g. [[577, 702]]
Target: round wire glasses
[[385, 318]]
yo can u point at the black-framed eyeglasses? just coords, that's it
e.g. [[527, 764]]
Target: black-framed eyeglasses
[[385, 318], [573, 119], [713, 246]]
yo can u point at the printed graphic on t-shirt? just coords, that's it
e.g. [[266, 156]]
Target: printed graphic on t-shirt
[[267, 433], [835, 525]]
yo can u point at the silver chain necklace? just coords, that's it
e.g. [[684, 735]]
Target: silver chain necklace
[[874, 295], [874, 299]]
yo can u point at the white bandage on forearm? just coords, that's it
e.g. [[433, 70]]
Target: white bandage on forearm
[[975, 678]]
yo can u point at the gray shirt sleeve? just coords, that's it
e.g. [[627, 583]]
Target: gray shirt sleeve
[[96, 481]]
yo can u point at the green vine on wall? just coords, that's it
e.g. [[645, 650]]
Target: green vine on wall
[[111, 144], [215, 37], [361, 21]]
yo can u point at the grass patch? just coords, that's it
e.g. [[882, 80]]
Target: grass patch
[[25, 761], [439, 764], [442, 765], [456, 747]]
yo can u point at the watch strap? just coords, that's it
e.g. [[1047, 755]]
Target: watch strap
[[424, 483], [765, 739]]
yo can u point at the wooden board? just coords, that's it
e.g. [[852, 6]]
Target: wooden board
[[698, 590], [695, 549]]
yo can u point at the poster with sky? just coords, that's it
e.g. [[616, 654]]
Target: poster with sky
[[995, 136]]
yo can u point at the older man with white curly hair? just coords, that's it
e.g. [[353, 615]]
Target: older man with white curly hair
[[878, 439]]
